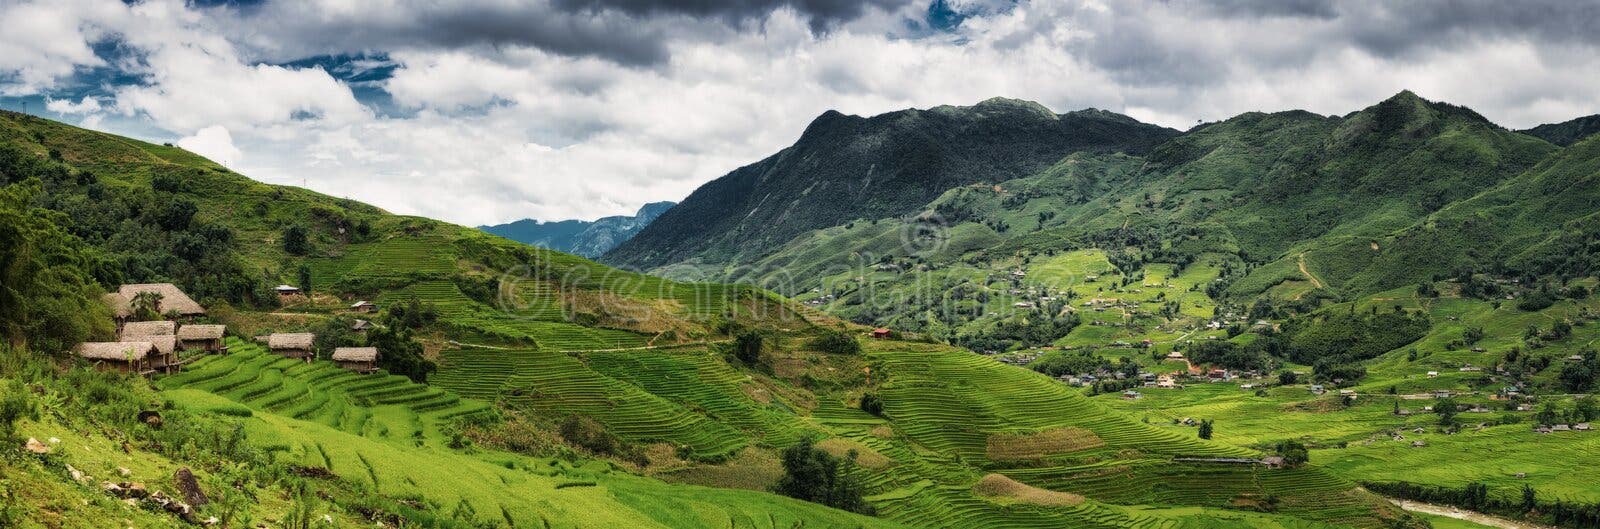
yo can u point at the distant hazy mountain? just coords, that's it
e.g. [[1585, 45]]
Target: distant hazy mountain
[[1567, 132], [585, 238]]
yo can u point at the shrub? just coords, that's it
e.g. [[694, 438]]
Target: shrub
[[588, 434], [836, 342], [748, 347], [872, 404]]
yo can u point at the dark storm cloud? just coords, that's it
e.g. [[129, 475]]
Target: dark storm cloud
[[1392, 29], [822, 13], [1147, 43], [290, 30]]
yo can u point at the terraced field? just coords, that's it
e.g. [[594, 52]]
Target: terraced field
[[393, 257], [560, 384], [376, 405], [385, 432], [944, 410]]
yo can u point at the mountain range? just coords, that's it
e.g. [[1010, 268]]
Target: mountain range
[[586, 238]]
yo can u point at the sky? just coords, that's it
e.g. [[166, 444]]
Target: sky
[[488, 111]]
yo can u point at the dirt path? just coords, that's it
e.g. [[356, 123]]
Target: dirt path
[[1301, 260], [1471, 516]]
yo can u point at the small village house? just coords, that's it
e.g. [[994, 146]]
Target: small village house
[[286, 290], [881, 333], [146, 328], [363, 307], [1272, 461], [358, 359], [204, 338], [172, 301], [161, 335], [360, 326], [128, 357], [292, 345]]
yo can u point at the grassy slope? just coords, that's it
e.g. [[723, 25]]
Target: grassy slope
[[405, 256]]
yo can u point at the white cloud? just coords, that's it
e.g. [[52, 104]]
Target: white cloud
[[87, 105], [515, 128], [215, 143]]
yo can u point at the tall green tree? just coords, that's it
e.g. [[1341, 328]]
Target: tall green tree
[[48, 300], [814, 475]]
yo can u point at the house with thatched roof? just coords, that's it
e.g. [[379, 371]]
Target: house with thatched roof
[[173, 301], [164, 357], [207, 338], [364, 307], [360, 326], [358, 359], [138, 329], [128, 357], [292, 345]]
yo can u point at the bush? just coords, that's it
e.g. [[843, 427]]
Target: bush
[[836, 342], [748, 347], [589, 434], [296, 240], [872, 404]]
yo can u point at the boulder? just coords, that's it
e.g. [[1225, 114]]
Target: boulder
[[189, 488], [33, 445]]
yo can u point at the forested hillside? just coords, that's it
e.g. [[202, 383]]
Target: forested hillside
[[849, 167]]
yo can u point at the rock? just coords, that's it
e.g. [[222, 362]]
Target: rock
[[124, 472], [151, 418], [133, 490], [189, 488], [54, 440], [76, 475], [33, 445]]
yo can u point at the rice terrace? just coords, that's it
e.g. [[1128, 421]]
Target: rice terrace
[[976, 264]]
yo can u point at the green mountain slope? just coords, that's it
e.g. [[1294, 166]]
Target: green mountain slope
[[963, 441], [848, 167], [1567, 132]]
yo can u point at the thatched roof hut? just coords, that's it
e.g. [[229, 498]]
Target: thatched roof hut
[[360, 359], [201, 332], [292, 345], [147, 328], [355, 354], [166, 344], [172, 300], [116, 351], [291, 340]]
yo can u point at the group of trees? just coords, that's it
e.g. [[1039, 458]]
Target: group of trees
[[814, 475], [50, 299], [399, 352], [1019, 332]]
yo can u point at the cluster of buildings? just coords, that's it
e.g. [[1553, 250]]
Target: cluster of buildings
[[150, 347]]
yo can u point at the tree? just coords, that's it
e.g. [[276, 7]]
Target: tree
[[585, 432], [1287, 377], [1585, 409], [1446, 408], [1530, 498], [872, 404], [1205, 429], [49, 299], [1473, 335], [1293, 452], [296, 240], [146, 305], [1548, 414], [814, 475], [836, 342], [748, 346], [305, 279], [399, 354], [1426, 290]]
